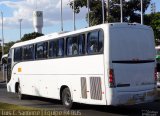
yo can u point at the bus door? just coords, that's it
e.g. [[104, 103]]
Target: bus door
[[9, 66]]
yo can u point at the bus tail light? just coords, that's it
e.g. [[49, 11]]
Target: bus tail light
[[111, 78]]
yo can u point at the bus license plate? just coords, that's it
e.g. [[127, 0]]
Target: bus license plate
[[138, 97]]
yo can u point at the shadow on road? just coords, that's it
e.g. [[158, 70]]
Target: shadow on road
[[119, 110]]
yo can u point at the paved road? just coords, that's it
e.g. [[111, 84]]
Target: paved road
[[84, 110], [1, 77]]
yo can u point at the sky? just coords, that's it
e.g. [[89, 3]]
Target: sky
[[13, 10]]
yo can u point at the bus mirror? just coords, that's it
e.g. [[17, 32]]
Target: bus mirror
[[4, 61]]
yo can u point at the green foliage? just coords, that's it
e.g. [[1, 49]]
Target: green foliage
[[26, 37], [95, 10], [6, 106], [8, 46], [131, 10], [30, 36], [154, 21]]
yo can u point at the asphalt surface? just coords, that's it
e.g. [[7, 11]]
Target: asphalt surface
[[84, 110], [1, 78], [149, 109]]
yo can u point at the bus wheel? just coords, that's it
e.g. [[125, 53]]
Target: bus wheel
[[20, 95], [66, 98]]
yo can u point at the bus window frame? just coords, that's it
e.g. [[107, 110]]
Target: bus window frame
[[87, 46], [56, 51], [33, 52], [78, 39], [64, 38], [35, 49], [21, 54]]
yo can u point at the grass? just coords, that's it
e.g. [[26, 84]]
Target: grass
[[16, 110], [6, 106]]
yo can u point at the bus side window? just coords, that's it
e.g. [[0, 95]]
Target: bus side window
[[95, 41], [41, 50], [60, 47], [18, 54], [92, 42], [28, 52], [69, 48], [100, 41], [25, 53], [52, 48], [45, 49], [32, 52], [72, 46], [81, 44], [75, 45]]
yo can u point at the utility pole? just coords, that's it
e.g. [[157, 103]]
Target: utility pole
[[61, 17], [102, 11], [108, 10], [2, 34], [142, 12], [121, 10], [20, 34], [74, 27], [121, 7], [2, 43], [88, 3]]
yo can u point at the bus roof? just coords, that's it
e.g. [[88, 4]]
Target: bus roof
[[64, 34]]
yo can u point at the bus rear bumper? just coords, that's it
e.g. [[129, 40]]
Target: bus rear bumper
[[132, 98]]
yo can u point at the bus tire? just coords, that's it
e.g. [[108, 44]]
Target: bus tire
[[20, 95], [66, 98]]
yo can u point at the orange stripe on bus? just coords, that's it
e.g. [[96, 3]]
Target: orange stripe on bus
[[19, 69]]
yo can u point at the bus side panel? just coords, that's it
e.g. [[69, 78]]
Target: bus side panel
[[46, 77]]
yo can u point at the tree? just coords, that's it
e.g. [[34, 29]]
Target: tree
[[131, 10], [26, 37], [30, 36], [154, 21], [7, 46], [95, 10]]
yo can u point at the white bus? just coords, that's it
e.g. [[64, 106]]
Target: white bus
[[108, 64]]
